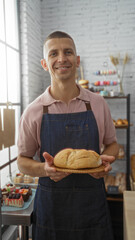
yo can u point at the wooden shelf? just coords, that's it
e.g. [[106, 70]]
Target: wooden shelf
[[115, 199], [116, 97], [123, 126]]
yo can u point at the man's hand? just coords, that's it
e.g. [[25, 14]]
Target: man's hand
[[51, 170], [106, 161]]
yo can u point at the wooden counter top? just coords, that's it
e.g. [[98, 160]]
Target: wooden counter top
[[129, 215]]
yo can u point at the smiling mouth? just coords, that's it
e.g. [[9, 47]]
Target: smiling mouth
[[62, 67]]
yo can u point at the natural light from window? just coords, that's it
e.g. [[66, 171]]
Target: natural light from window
[[10, 76]]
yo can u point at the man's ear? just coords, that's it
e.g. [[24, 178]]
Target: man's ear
[[44, 64], [78, 61]]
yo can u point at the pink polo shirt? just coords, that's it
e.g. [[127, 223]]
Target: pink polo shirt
[[30, 123]]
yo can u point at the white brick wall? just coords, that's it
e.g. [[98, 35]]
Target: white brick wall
[[31, 50], [99, 28]]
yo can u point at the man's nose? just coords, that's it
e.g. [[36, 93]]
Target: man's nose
[[61, 57]]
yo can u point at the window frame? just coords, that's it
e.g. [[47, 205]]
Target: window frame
[[3, 104]]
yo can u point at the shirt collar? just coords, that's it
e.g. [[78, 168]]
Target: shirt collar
[[48, 99]]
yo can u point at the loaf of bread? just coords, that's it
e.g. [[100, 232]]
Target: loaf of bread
[[119, 122], [122, 122], [83, 82], [77, 159]]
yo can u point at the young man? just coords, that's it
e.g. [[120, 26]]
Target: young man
[[67, 206]]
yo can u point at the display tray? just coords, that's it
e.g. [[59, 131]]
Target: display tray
[[22, 183], [85, 170], [32, 185], [25, 206]]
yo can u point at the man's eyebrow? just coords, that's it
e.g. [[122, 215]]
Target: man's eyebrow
[[53, 50], [68, 49], [56, 50]]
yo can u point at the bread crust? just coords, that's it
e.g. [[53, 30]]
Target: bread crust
[[77, 159]]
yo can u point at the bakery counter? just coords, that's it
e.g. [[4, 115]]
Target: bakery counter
[[129, 215], [23, 218]]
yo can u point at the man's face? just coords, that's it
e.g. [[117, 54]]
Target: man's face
[[61, 59]]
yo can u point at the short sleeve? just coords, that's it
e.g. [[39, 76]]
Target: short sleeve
[[27, 143], [110, 132]]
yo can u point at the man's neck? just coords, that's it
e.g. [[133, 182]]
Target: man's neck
[[64, 91]]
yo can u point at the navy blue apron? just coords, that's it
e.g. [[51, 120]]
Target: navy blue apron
[[74, 208]]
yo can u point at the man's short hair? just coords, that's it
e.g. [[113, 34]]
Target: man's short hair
[[57, 34]]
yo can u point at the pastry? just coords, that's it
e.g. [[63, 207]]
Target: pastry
[[15, 200], [18, 178], [77, 159], [27, 187], [28, 179], [10, 187], [25, 194], [36, 180]]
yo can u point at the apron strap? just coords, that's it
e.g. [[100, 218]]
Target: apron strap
[[87, 104], [45, 109]]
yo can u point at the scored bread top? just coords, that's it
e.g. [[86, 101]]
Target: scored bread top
[[77, 159]]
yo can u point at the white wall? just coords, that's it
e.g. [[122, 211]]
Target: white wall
[[98, 27], [31, 50]]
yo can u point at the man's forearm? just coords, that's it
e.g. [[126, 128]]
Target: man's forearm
[[111, 149], [31, 167]]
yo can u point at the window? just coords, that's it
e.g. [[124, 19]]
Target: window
[[9, 78]]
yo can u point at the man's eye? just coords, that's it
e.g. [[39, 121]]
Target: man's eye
[[68, 52], [53, 54]]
